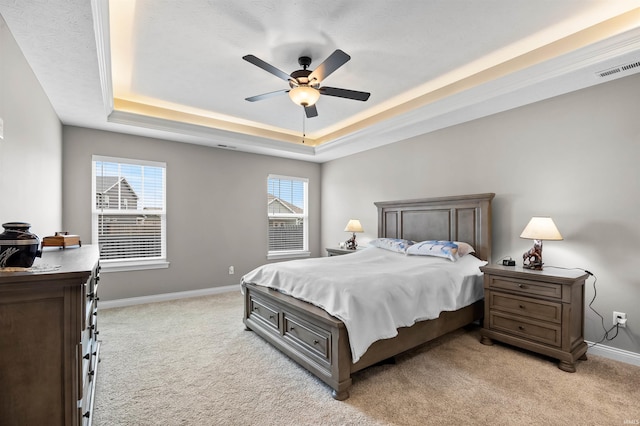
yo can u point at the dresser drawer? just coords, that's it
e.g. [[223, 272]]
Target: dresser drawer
[[314, 340], [538, 331], [263, 312], [534, 288], [526, 307]]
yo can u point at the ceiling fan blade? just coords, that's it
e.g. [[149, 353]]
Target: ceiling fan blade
[[267, 67], [344, 93], [266, 95], [311, 111], [332, 63]]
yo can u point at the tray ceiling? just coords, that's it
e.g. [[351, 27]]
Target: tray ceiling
[[174, 69]]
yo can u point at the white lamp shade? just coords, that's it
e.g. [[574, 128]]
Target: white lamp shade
[[354, 226], [541, 228], [304, 95]]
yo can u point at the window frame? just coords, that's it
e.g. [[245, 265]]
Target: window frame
[[135, 264], [304, 252]]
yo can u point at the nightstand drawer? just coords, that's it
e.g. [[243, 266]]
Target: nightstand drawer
[[546, 333], [526, 307], [535, 288]]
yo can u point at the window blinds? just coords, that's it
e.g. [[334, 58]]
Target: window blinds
[[287, 213], [129, 209]]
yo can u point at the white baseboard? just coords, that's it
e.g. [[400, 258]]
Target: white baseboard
[[167, 296], [614, 353]]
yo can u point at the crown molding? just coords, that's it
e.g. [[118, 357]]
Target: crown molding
[[100, 11]]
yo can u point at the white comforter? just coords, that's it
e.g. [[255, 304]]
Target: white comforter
[[375, 291]]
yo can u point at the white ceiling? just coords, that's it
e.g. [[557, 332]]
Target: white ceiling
[[173, 69]]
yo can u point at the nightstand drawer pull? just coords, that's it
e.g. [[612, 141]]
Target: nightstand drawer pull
[[521, 306], [522, 286], [521, 328]]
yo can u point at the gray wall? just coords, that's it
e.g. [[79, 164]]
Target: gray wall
[[574, 158], [216, 208], [31, 151]]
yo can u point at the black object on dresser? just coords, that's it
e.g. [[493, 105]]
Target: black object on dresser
[[541, 311], [48, 339]]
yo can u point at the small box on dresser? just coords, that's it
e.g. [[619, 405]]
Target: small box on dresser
[[541, 311], [48, 339]]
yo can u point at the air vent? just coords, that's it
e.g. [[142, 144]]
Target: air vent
[[629, 66], [618, 69]]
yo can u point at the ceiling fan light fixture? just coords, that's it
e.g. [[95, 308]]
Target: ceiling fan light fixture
[[304, 95]]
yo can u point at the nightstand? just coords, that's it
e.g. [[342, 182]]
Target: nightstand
[[541, 311], [334, 251]]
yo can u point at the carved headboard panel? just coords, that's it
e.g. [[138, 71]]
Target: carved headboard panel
[[459, 218]]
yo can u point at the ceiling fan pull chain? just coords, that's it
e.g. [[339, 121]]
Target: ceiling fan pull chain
[[303, 127]]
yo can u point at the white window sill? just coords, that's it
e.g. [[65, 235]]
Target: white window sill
[[287, 254], [134, 265]]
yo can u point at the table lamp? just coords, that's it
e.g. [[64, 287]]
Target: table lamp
[[538, 229], [353, 226]]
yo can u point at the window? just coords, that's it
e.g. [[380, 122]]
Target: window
[[287, 208], [129, 213]]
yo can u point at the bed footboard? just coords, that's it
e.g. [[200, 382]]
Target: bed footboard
[[308, 335], [320, 343]]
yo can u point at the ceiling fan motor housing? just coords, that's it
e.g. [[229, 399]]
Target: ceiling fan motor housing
[[301, 76]]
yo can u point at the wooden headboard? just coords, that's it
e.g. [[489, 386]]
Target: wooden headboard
[[459, 218]]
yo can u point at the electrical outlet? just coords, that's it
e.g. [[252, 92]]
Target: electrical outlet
[[231, 270], [620, 318]]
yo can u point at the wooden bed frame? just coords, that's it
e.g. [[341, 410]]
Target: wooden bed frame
[[319, 342]]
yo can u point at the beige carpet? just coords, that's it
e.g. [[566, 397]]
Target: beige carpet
[[190, 362]]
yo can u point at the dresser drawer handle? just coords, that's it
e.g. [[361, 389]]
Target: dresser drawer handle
[[521, 328], [522, 286], [270, 316], [87, 415], [255, 308], [521, 306], [87, 356], [291, 328], [315, 342]]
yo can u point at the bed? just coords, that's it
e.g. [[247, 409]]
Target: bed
[[320, 342]]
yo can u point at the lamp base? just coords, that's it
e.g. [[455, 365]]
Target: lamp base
[[351, 243], [532, 259]]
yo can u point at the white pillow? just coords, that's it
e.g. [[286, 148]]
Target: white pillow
[[393, 244], [445, 249], [464, 248]]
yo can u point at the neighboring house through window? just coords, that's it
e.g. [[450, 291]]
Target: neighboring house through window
[[287, 207], [129, 213]]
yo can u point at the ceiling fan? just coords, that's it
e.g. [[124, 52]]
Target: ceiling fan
[[304, 84]]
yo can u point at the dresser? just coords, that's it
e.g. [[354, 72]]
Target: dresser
[[541, 311], [48, 339]]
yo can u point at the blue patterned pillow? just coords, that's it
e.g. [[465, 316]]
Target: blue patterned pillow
[[392, 244], [446, 249]]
